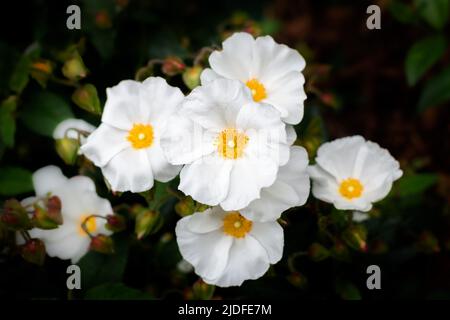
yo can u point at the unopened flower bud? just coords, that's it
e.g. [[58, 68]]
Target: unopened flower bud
[[191, 76], [86, 98], [15, 216], [74, 68], [202, 290], [185, 206], [102, 243], [115, 222], [147, 222], [49, 217], [103, 19], [67, 149], [340, 251], [33, 251], [355, 236], [317, 252], [297, 280], [173, 66]]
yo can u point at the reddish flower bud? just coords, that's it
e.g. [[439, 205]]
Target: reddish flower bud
[[115, 222], [173, 66], [33, 251], [103, 244], [317, 252], [15, 216], [48, 217]]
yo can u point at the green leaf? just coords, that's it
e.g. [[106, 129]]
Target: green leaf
[[401, 12], [416, 184], [422, 56], [14, 181], [436, 92], [435, 12], [20, 76], [44, 111], [8, 121], [115, 291], [97, 268]]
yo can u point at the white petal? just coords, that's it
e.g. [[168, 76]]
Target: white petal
[[270, 236], [184, 142], [291, 135], [324, 185], [207, 252], [162, 170], [260, 116], [235, 60], [65, 129], [67, 248], [122, 107], [104, 143], [47, 179], [206, 221], [129, 170], [207, 180], [82, 183], [208, 75], [360, 216], [247, 260]]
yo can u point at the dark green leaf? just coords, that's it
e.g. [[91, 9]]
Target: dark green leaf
[[43, 112], [401, 11], [14, 181], [8, 121], [19, 78], [115, 291], [435, 12], [97, 268], [416, 184], [436, 91], [422, 56]]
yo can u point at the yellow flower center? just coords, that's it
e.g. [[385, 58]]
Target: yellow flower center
[[236, 225], [231, 143], [351, 188], [257, 89], [141, 135], [90, 224]]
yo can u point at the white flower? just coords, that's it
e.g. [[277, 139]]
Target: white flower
[[290, 189], [127, 144], [79, 200], [231, 146], [226, 249], [272, 71], [353, 173], [68, 129], [359, 216]]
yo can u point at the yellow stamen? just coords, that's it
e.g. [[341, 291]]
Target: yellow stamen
[[90, 224], [231, 143], [351, 188], [141, 136], [236, 225], [257, 88]]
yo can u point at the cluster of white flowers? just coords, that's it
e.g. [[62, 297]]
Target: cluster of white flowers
[[231, 141]]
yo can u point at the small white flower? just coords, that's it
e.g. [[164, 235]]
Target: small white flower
[[231, 146], [359, 216], [68, 129], [226, 249], [272, 71], [352, 173], [290, 189], [79, 200], [126, 146]]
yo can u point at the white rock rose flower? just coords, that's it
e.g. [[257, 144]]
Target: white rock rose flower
[[231, 146], [68, 129], [226, 249], [353, 173], [126, 146], [290, 189], [272, 71], [79, 201]]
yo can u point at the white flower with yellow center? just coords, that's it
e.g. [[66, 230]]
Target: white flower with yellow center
[[126, 146], [272, 71], [290, 189], [79, 203], [353, 173], [226, 249], [231, 146]]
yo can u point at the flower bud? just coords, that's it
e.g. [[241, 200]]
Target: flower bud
[[147, 222], [173, 66], [115, 222], [49, 217], [202, 290], [297, 280], [33, 251], [103, 19], [317, 252], [74, 68], [86, 98], [41, 70], [355, 236], [340, 251], [185, 207], [67, 149], [15, 216], [102, 243], [191, 76]]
